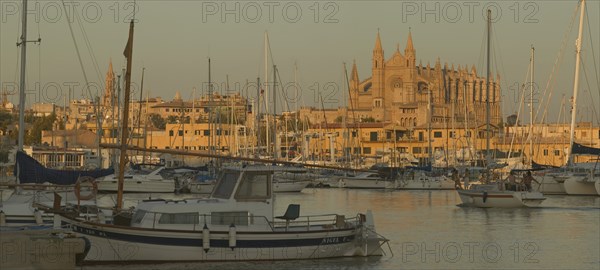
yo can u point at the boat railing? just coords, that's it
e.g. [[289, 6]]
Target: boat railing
[[316, 222]]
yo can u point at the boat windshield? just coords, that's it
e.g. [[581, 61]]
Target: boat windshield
[[254, 187], [225, 186]]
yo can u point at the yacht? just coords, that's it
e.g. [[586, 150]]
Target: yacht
[[138, 181]]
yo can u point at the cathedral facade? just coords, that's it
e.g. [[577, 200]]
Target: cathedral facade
[[400, 92]]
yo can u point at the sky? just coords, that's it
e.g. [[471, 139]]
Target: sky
[[310, 41]]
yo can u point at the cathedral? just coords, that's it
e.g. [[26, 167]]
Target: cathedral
[[399, 92]]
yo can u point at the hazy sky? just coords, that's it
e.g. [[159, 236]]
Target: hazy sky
[[173, 40]]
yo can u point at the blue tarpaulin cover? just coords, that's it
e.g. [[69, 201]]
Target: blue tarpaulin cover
[[30, 171]]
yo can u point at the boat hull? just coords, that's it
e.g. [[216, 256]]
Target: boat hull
[[136, 245], [425, 183], [367, 183], [500, 199], [289, 186], [597, 184], [579, 186], [550, 185]]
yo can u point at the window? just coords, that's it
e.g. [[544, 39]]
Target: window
[[207, 132], [167, 110], [228, 218], [224, 188], [437, 134], [373, 136], [416, 150], [452, 134], [178, 218], [180, 133], [557, 152], [366, 150], [196, 132], [138, 216], [421, 138], [545, 152], [354, 134], [171, 133], [388, 135], [254, 187]]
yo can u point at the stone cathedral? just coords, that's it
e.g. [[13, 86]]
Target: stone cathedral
[[398, 92]]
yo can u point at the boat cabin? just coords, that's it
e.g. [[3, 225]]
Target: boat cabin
[[242, 197]]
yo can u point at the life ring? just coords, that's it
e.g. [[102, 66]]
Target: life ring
[[89, 196]]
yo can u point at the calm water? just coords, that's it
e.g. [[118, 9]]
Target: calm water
[[428, 231]]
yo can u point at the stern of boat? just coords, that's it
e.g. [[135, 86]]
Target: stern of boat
[[370, 242]]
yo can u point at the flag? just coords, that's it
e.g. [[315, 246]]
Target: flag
[[129, 47]]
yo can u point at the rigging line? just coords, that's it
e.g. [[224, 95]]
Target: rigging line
[[18, 54], [78, 53], [593, 53], [589, 90], [551, 82], [90, 51], [39, 55], [521, 101]]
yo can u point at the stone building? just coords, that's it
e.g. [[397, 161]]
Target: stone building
[[399, 91]]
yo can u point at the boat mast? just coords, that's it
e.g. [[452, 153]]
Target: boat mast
[[210, 112], [23, 45], [275, 148], [487, 88], [129, 55], [576, 81], [257, 129], [267, 144], [429, 128], [531, 108]]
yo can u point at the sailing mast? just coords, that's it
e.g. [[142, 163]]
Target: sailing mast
[[531, 108], [23, 45], [487, 88], [275, 148], [576, 81], [129, 55]]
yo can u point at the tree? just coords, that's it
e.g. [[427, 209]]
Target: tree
[[367, 120], [157, 121], [34, 135]]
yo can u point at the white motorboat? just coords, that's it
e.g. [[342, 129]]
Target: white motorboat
[[236, 223], [494, 195], [292, 181], [421, 180], [366, 180], [598, 186], [152, 182]]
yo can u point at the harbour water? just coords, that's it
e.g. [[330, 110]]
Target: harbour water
[[427, 230]]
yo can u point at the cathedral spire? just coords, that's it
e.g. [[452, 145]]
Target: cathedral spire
[[109, 85], [354, 72], [378, 58], [410, 48], [378, 43]]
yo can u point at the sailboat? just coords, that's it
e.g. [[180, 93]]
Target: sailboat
[[496, 194], [44, 245], [582, 178]]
